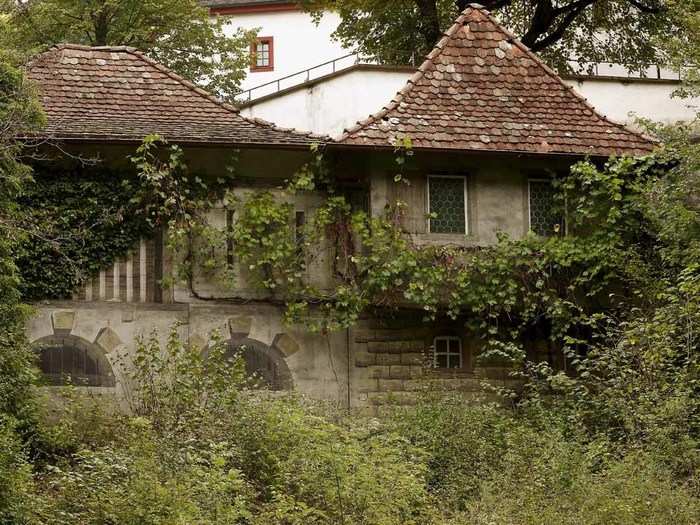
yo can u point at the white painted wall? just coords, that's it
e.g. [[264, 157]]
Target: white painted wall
[[298, 42], [624, 101], [332, 105]]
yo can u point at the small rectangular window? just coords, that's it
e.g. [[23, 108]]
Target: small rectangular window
[[544, 219], [229, 239], [447, 204], [447, 352], [299, 236], [262, 54]]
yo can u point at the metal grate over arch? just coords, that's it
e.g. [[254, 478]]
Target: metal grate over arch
[[65, 360]]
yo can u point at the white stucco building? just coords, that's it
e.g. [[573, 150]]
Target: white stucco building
[[336, 101], [302, 78], [289, 40]]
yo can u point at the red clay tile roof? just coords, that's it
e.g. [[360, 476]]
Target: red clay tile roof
[[481, 89], [116, 94]]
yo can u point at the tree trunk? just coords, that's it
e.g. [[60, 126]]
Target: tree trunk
[[430, 21], [101, 30]]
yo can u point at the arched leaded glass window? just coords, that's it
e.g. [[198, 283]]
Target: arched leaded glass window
[[264, 365], [70, 360]]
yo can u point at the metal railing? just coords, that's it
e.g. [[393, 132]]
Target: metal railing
[[610, 69], [602, 69], [330, 67]]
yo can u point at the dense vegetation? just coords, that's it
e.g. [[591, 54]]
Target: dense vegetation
[[613, 440], [635, 33]]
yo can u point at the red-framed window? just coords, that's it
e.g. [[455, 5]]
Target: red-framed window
[[262, 54]]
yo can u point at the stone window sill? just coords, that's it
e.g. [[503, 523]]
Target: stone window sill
[[445, 239]]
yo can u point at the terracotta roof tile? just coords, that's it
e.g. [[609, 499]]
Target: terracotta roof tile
[[482, 89], [110, 94]]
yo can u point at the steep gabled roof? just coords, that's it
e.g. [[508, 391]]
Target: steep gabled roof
[[116, 94], [481, 89]]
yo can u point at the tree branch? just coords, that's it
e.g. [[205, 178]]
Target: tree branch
[[655, 8], [488, 4], [430, 26], [575, 10]]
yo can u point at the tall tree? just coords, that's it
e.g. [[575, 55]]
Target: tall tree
[[178, 33], [684, 48], [586, 31], [19, 113]]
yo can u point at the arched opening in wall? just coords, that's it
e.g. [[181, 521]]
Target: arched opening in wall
[[264, 365], [69, 360]]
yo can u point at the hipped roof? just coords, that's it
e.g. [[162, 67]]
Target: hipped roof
[[116, 94], [481, 89]]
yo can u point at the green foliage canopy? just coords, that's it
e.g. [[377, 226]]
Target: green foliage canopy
[[177, 33], [626, 32]]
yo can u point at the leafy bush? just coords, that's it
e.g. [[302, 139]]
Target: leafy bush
[[15, 475], [198, 447]]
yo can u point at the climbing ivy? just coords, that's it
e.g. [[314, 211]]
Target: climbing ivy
[[564, 288], [77, 221]]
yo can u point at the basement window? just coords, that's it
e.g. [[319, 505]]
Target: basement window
[[262, 54], [447, 352], [70, 361], [544, 220], [447, 204]]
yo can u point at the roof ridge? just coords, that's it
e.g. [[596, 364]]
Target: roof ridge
[[213, 98], [178, 78], [437, 50], [84, 47]]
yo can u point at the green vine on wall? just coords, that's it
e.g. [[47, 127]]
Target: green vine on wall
[[80, 218], [562, 288], [77, 221], [566, 288]]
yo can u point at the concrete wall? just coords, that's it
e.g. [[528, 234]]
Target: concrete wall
[[625, 100], [332, 105], [373, 363], [497, 190], [318, 364], [338, 101], [298, 42]]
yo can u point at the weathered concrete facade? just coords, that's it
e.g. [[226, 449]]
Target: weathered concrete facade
[[381, 360], [486, 120], [318, 364]]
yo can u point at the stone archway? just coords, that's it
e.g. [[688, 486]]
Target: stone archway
[[265, 364], [67, 359]]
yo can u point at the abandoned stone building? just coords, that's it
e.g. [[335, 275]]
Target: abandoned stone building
[[490, 125]]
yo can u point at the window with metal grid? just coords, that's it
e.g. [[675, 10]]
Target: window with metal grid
[[74, 363], [447, 204], [544, 219]]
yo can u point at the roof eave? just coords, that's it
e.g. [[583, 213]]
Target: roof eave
[[190, 142], [499, 152]]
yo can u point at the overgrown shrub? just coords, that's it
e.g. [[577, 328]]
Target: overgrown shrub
[[15, 475], [199, 447]]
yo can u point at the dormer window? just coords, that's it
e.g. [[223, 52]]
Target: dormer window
[[262, 54]]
